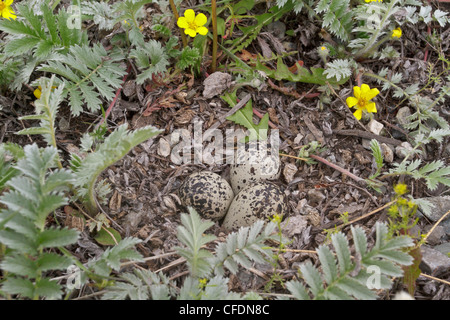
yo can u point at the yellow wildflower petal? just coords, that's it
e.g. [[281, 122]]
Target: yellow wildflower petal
[[191, 32], [358, 114], [351, 102], [8, 2], [200, 20], [182, 23], [364, 91], [202, 30], [189, 15], [357, 92], [37, 93], [371, 107], [372, 93], [7, 13], [397, 33]]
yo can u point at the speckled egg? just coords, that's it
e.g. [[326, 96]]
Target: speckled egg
[[258, 201], [208, 193], [253, 165]]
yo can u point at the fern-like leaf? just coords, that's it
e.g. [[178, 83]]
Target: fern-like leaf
[[88, 74], [349, 279], [243, 247], [191, 234]]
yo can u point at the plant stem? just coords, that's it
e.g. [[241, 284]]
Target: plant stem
[[336, 167], [367, 49], [214, 25], [175, 14]]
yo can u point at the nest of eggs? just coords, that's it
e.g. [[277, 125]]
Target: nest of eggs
[[250, 195]]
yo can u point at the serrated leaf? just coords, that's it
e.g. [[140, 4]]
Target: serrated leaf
[[20, 265], [328, 263], [52, 238], [244, 117], [312, 278], [341, 247], [298, 290], [282, 72], [20, 286], [354, 288]]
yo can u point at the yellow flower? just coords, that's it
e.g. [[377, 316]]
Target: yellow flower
[[193, 24], [373, 1], [401, 189], [276, 218], [397, 33], [38, 92], [6, 11], [202, 283], [361, 100]]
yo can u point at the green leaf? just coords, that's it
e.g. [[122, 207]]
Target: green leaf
[[312, 278], [104, 237], [123, 250], [48, 289], [328, 263], [20, 265], [282, 72], [244, 117], [52, 261], [298, 290], [52, 238], [17, 242], [20, 286]]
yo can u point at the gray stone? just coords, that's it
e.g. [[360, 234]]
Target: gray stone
[[388, 154], [441, 206], [443, 248], [215, 84], [402, 150], [366, 144], [402, 114], [289, 172], [375, 127], [433, 262], [435, 237]]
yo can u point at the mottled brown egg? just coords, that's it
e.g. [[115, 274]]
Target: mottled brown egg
[[258, 201], [253, 165], [208, 193]]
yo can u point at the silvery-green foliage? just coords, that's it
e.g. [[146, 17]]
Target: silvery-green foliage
[[101, 13], [46, 110], [374, 19], [336, 14], [151, 59], [34, 193], [112, 257], [392, 81], [9, 153], [141, 285], [206, 279], [339, 68], [243, 247], [36, 38], [342, 277], [114, 148], [425, 112], [426, 14], [88, 73], [191, 234]]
